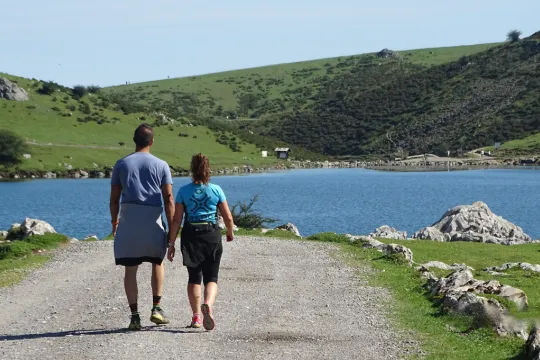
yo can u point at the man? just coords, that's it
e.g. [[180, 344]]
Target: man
[[142, 181]]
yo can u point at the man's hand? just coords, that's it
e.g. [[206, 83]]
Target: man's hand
[[170, 253], [114, 227], [230, 237]]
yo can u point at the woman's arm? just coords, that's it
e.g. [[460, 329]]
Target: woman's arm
[[227, 219]]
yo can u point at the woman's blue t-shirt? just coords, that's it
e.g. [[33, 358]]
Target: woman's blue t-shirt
[[200, 201]]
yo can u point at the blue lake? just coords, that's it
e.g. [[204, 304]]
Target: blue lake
[[352, 201]]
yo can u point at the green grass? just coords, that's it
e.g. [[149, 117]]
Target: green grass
[[224, 88], [276, 234], [83, 144], [444, 336], [18, 257], [529, 145]]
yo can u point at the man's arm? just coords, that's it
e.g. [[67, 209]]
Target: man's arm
[[168, 202], [114, 205]]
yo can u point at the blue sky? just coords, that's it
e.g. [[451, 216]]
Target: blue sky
[[107, 42]]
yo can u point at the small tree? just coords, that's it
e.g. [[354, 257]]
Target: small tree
[[245, 218], [93, 89], [48, 88], [513, 35], [79, 91], [12, 148]]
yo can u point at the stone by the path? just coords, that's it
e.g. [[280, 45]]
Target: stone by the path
[[474, 223], [507, 266], [460, 293], [392, 249], [91, 238], [442, 266], [289, 227], [11, 91], [532, 347], [387, 232], [31, 227]]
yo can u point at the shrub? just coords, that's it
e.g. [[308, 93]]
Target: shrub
[[93, 89], [12, 148], [55, 108], [85, 108], [79, 91], [513, 35], [48, 88], [329, 237], [245, 218], [71, 107], [31, 107]]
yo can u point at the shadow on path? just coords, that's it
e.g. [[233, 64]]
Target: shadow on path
[[60, 334]]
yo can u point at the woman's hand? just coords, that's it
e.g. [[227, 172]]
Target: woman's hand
[[170, 253], [230, 236]]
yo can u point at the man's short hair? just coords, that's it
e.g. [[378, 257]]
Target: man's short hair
[[143, 135]]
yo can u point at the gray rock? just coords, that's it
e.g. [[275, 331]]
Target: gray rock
[[289, 227], [474, 223], [386, 53], [387, 232], [443, 266], [14, 227], [11, 91], [101, 175], [27, 156], [31, 227], [392, 249], [429, 233], [369, 243], [84, 174], [532, 346], [49, 175], [517, 296], [506, 266], [91, 238], [3, 234]]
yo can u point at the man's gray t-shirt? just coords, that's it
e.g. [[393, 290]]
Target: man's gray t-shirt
[[141, 175]]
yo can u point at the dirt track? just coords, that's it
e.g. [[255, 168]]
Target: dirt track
[[278, 300]]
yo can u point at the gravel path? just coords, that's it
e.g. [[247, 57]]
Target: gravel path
[[278, 300]]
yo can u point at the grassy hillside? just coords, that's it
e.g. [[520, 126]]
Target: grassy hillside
[[86, 132], [526, 146], [259, 92], [417, 101]]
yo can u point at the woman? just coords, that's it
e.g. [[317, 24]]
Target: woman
[[200, 242]]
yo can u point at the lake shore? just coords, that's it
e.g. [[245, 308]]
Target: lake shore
[[398, 166]]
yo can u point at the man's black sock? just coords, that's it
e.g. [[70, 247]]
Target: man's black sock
[[134, 309]]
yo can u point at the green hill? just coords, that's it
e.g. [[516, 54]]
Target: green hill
[[92, 132], [416, 101]]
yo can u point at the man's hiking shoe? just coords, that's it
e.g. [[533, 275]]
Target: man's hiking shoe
[[196, 321], [208, 319], [135, 323], [158, 317]]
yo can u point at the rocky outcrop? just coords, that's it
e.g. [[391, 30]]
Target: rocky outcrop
[[388, 249], [387, 232], [442, 266], [11, 91], [430, 233], [459, 292], [474, 223], [3, 234], [532, 346], [387, 53], [507, 266], [31, 227], [289, 227]]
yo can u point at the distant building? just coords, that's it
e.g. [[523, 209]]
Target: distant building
[[282, 153]]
